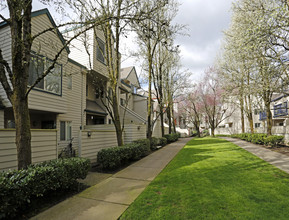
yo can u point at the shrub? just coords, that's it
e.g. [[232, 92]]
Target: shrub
[[115, 157], [163, 141], [154, 143], [274, 140], [171, 137], [18, 187]]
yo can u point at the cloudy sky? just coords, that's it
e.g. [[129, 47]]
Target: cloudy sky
[[205, 20]]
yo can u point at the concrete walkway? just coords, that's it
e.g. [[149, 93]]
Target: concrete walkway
[[112, 196], [279, 160]]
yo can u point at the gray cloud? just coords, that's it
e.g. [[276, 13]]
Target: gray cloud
[[205, 20]]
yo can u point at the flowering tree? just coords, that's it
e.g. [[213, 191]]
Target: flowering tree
[[216, 110], [193, 108]]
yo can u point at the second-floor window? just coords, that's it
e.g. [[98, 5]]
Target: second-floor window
[[52, 82], [100, 50]]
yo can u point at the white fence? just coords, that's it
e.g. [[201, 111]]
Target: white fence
[[43, 147]]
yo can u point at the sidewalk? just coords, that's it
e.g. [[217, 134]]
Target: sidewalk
[[112, 196], [279, 160]]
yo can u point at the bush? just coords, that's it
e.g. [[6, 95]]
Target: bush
[[115, 157], [158, 142], [163, 141], [272, 140], [18, 187], [171, 137], [154, 143]]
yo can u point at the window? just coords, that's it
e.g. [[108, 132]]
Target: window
[[52, 82], [65, 130], [133, 89], [69, 82], [100, 50], [257, 125], [99, 92], [122, 102]]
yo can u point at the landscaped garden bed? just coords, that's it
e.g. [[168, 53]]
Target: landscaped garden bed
[[214, 179], [23, 190]]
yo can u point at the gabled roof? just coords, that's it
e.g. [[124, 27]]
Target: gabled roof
[[125, 73], [42, 12]]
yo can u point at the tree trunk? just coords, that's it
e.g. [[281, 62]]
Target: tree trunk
[[174, 123], [212, 131], [242, 114], [169, 119], [162, 120], [198, 130], [23, 134], [251, 122], [269, 119], [117, 122]]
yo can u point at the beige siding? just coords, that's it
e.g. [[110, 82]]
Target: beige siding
[[1, 119], [140, 106], [98, 66], [97, 137], [47, 45], [75, 103], [81, 48], [134, 132], [43, 143], [5, 46], [132, 77]]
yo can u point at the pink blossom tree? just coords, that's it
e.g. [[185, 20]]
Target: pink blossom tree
[[211, 93]]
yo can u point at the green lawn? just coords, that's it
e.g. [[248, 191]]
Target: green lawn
[[214, 179]]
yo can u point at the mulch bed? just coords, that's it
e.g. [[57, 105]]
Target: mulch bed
[[283, 149]]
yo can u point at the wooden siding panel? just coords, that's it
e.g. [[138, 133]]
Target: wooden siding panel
[[5, 45], [102, 138], [43, 146], [1, 119]]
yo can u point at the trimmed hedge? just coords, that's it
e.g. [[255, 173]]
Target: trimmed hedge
[[172, 137], [114, 157], [272, 140], [18, 187]]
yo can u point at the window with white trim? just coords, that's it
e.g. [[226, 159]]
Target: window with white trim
[[65, 130]]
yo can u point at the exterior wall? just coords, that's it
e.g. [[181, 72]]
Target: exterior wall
[[43, 143], [5, 45], [140, 106], [97, 137], [81, 48], [134, 132], [98, 66], [132, 77], [130, 116], [48, 45], [1, 119], [75, 104]]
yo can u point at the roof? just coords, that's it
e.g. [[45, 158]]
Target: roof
[[93, 107], [125, 72], [42, 12]]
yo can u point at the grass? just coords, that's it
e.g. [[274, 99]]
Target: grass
[[214, 179]]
